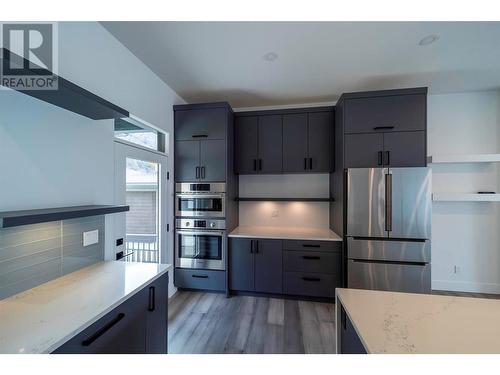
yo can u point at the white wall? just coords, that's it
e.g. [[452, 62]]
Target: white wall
[[297, 214], [465, 234], [64, 159]]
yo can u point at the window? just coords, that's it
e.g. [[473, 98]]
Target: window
[[134, 131]]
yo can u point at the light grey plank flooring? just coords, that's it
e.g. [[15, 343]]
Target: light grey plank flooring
[[211, 323]]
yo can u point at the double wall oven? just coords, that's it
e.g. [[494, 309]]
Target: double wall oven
[[200, 239]]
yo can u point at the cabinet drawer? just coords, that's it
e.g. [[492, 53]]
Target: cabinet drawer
[[200, 279], [311, 284], [312, 245], [200, 124], [122, 331], [312, 261], [385, 113]]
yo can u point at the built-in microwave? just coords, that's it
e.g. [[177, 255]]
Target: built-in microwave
[[200, 200]]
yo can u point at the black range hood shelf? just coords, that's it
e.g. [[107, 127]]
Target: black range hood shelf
[[69, 96], [10, 219]]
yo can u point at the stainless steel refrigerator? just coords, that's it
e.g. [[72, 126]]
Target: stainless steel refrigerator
[[389, 229]]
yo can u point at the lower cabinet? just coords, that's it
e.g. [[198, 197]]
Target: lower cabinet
[[299, 268], [255, 265], [137, 326], [186, 278], [350, 343]]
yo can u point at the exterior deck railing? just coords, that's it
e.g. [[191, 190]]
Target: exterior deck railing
[[142, 248]]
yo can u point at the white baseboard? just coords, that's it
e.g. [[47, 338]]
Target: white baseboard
[[464, 286]]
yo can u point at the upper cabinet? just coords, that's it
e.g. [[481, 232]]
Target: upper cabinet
[[385, 128], [288, 141], [259, 144], [201, 142]]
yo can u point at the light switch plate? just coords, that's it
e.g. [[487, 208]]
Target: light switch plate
[[90, 237]]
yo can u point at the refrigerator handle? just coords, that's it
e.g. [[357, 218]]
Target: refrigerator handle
[[388, 202]]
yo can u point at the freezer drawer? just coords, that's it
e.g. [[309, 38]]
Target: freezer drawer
[[388, 276], [399, 251]]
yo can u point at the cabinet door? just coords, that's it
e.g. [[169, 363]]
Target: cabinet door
[[405, 149], [187, 160], [320, 141], [241, 264], [157, 317], [385, 113], [295, 143], [207, 123], [269, 266], [363, 150], [270, 144], [213, 160], [246, 144]]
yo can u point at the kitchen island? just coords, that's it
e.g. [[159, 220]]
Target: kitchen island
[[82, 312], [406, 323]]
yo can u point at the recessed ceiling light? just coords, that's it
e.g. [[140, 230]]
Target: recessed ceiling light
[[428, 40], [270, 56]]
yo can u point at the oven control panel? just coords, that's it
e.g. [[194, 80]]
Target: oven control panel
[[200, 224]]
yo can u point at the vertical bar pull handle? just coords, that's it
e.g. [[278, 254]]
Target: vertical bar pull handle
[[256, 246], [203, 173], [379, 161], [387, 158], [255, 165], [310, 163], [152, 299], [388, 202], [197, 172], [251, 246], [305, 163]]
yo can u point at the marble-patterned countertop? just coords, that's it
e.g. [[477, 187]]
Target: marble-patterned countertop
[[286, 233], [41, 319], [401, 323]]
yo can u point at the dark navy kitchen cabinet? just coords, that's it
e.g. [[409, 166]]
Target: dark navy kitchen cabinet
[[364, 150], [187, 160], [136, 326], [295, 145], [200, 160], [405, 149], [258, 142], [255, 265], [198, 123], [320, 141]]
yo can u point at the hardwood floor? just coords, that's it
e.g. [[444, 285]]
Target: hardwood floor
[[211, 323]]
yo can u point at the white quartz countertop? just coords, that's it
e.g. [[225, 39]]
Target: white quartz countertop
[[41, 319], [286, 233], [389, 322]]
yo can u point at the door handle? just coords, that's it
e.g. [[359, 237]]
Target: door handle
[[311, 279], [197, 172], [203, 173], [383, 127], [387, 158], [103, 330], [305, 163], [310, 245], [200, 276], [260, 164], [380, 155], [311, 257], [310, 163], [255, 164], [152, 298], [388, 202]]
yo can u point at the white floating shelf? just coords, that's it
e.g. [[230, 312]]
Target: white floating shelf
[[465, 158], [464, 197]]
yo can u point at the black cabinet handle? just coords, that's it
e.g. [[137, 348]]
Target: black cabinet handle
[[200, 276], [383, 127], [380, 161], [251, 246], [103, 330], [311, 279], [203, 173], [199, 136], [305, 164], [310, 245], [310, 163], [255, 164], [260, 164], [310, 257], [197, 172], [152, 298], [387, 158]]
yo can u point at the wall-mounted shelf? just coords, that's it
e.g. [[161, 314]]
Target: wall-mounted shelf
[[68, 95], [16, 218], [465, 197], [465, 158], [242, 199]]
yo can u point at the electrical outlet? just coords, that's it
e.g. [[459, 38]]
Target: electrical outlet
[[90, 237], [275, 213]]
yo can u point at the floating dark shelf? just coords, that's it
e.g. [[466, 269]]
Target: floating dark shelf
[[16, 218], [70, 96], [240, 199]]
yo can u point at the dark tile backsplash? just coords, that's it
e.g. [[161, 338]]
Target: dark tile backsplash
[[34, 254]]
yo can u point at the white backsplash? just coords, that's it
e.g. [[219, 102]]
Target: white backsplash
[[281, 214]]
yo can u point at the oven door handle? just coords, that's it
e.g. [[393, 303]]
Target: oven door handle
[[201, 232], [200, 195]]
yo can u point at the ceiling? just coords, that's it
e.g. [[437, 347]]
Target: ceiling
[[316, 61]]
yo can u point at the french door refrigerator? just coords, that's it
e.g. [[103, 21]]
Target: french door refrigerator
[[389, 229]]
